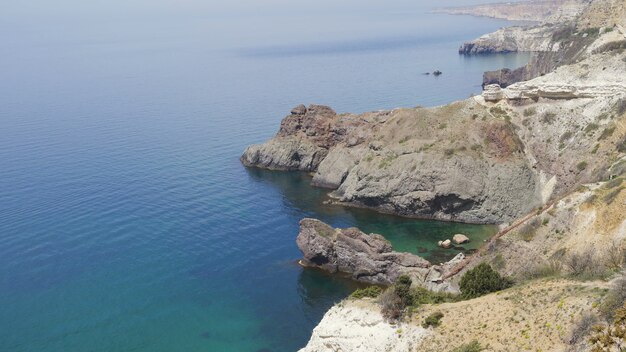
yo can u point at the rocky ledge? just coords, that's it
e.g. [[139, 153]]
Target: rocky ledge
[[358, 326], [367, 257]]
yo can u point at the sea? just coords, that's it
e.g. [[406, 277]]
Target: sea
[[127, 222]]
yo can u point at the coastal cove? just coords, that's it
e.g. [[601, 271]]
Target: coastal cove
[[127, 221]]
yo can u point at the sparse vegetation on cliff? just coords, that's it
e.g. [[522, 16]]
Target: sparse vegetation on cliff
[[482, 280]]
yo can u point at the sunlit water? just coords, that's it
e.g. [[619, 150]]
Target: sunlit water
[[126, 220]]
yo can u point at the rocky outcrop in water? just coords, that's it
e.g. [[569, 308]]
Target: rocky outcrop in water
[[366, 257]]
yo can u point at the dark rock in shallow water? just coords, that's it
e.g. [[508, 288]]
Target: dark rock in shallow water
[[206, 335], [368, 258]]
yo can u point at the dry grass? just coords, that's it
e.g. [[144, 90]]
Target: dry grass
[[529, 317]]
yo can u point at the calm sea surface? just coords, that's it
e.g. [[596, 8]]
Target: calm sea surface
[[126, 220]]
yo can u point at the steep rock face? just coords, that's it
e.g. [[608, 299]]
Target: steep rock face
[[367, 258], [285, 154], [511, 39], [505, 77], [358, 326], [334, 169], [458, 187]]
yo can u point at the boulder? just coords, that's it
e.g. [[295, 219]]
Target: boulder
[[460, 238], [446, 244]]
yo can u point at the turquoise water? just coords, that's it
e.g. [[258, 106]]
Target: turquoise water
[[126, 220]]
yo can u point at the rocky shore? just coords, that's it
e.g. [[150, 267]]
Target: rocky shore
[[542, 148]]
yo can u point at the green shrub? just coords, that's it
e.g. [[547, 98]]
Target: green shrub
[[392, 308], [433, 320], [528, 230], [371, 291], [615, 298], [595, 148], [531, 271], [611, 337], [482, 280], [530, 112], [473, 346], [548, 117], [621, 146], [590, 31], [498, 111], [620, 107], [614, 183], [565, 136], [421, 296], [591, 127], [606, 133], [581, 165], [402, 288], [610, 197]]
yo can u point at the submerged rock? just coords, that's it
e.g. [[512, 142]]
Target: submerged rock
[[366, 257]]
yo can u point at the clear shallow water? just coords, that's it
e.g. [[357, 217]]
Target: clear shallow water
[[126, 220]]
